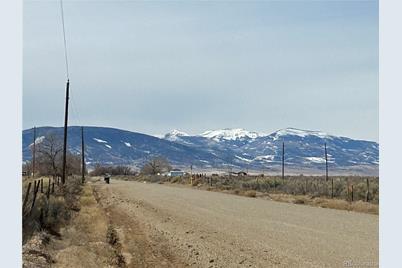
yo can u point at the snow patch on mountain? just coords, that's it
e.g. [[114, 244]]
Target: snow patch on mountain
[[174, 135], [38, 140], [314, 159], [100, 141], [243, 159], [267, 158], [300, 133], [229, 134]]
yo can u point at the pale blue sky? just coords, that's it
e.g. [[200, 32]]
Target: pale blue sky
[[195, 66]]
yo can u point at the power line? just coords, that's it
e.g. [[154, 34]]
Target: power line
[[71, 94], [74, 108], [64, 38]]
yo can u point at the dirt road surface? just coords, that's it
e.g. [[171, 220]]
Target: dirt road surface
[[166, 226]]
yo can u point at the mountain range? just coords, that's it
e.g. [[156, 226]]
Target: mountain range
[[223, 149]]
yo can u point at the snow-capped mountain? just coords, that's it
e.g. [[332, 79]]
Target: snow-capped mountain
[[229, 134], [300, 133], [219, 149], [174, 135]]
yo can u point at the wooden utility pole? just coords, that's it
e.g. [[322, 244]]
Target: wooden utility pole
[[230, 171], [82, 155], [34, 152], [283, 161], [326, 162], [63, 176], [26, 197], [191, 175]]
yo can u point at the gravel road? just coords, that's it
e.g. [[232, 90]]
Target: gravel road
[[210, 229]]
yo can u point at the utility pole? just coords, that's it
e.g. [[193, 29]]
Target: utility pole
[[82, 155], [283, 161], [191, 174], [34, 152], [326, 162], [63, 178]]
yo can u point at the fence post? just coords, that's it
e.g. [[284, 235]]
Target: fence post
[[348, 190], [34, 195], [41, 186], [368, 190], [332, 187], [53, 187], [26, 197], [352, 192], [48, 190], [306, 188], [41, 221]]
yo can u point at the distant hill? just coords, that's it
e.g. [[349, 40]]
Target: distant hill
[[222, 149]]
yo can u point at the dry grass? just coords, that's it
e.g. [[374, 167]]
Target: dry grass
[[87, 238], [84, 232], [74, 216], [250, 193], [90, 224], [358, 206], [49, 214]]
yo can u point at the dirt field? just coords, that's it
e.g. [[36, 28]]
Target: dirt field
[[165, 226]]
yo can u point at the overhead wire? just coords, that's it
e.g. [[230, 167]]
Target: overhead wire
[[74, 112], [64, 39]]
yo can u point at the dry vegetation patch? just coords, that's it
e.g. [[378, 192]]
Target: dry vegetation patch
[[83, 233], [358, 206], [87, 238]]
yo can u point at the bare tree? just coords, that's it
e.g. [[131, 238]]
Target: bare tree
[[113, 170], [122, 170], [99, 170], [49, 157], [155, 166], [73, 163], [49, 151]]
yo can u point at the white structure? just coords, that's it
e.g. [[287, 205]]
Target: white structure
[[176, 173]]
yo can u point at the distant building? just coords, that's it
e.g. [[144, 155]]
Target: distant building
[[176, 173]]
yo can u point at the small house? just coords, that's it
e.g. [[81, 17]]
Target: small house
[[176, 173]]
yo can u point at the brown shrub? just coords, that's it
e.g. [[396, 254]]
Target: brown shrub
[[250, 193], [298, 201]]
